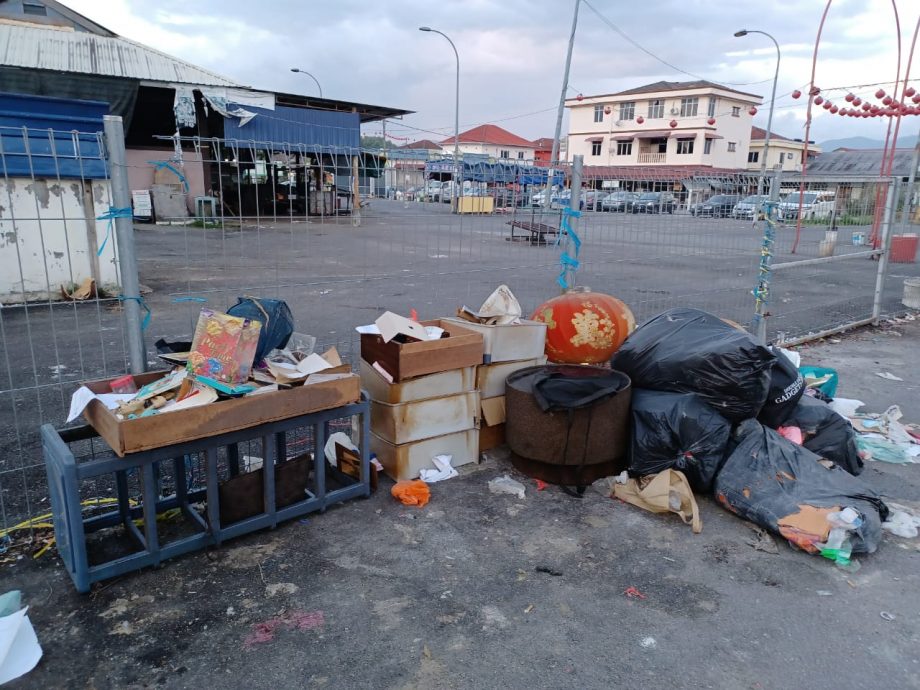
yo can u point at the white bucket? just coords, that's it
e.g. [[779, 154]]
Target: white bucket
[[911, 296], [859, 239]]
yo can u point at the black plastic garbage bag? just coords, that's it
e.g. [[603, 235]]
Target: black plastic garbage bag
[[786, 387], [275, 317], [690, 351], [827, 433], [677, 431], [783, 487]]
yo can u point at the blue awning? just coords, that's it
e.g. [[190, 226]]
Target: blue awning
[[314, 130], [51, 137], [496, 172]]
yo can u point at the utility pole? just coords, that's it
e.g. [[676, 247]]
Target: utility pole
[[548, 195]]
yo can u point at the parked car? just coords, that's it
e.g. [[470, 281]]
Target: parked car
[[814, 205], [618, 201], [591, 199], [433, 190], [747, 207], [718, 206], [653, 202], [538, 199]]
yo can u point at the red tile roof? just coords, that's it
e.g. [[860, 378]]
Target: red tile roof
[[543, 144], [758, 133], [490, 134], [421, 144]]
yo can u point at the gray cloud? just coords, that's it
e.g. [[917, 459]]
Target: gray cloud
[[512, 51]]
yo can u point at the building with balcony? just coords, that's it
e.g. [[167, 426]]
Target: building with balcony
[[787, 153], [696, 124]]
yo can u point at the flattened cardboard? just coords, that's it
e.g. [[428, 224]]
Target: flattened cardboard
[[133, 435], [392, 325], [493, 411], [460, 348], [491, 437]]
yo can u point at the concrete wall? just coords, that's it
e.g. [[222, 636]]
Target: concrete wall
[[49, 237], [141, 172], [779, 153], [495, 151]]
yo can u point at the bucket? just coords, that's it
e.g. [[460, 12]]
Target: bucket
[[859, 239], [911, 296], [826, 247], [904, 248]]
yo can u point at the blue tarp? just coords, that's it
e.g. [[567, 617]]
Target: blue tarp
[[484, 170], [51, 137], [315, 130]]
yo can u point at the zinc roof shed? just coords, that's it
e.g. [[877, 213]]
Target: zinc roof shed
[[63, 50]]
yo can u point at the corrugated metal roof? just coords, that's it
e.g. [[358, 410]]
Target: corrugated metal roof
[[86, 53], [859, 162]]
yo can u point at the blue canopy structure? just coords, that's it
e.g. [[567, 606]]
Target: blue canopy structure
[[490, 171]]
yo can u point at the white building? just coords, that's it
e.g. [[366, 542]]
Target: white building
[[695, 123], [492, 141], [785, 152]]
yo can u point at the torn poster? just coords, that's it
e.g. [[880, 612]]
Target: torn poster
[[184, 106]]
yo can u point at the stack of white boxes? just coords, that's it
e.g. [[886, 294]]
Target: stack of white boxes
[[426, 404], [506, 349]]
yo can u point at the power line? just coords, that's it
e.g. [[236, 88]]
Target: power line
[[645, 50]]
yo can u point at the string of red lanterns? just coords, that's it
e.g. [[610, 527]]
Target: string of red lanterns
[[890, 107]]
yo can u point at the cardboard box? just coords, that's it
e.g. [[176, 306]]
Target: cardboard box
[[144, 433], [492, 428], [460, 348], [525, 340], [421, 419], [490, 378], [418, 388], [404, 461]]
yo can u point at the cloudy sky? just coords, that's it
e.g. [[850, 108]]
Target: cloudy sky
[[512, 52]]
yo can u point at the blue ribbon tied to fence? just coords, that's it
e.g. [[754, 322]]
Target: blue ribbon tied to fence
[[167, 165], [140, 301], [566, 260], [111, 215]]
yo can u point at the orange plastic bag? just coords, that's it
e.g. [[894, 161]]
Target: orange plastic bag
[[412, 492]]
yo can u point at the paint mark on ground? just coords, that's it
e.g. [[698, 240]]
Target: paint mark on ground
[[294, 620]]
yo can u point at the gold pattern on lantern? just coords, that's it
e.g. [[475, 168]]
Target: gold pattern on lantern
[[547, 317], [592, 330]]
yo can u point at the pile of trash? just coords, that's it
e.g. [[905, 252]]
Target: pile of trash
[[739, 420]]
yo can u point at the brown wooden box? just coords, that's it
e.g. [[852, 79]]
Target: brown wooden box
[[144, 433], [461, 348]]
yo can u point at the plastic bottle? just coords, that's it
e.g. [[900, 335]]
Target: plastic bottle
[[839, 546]]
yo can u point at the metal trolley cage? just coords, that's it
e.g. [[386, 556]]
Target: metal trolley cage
[[66, 473]]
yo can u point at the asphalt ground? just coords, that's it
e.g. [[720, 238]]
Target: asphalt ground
[[403, 256], [478, 590]]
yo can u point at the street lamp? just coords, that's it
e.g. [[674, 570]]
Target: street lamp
[[766, 140], [457, 180], [303, 71]]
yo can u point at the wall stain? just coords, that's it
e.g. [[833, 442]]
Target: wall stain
[[77, 192], [56, 189], [98, 193], [40, 189]]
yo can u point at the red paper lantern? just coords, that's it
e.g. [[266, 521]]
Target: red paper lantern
[[814, 91], [584, 327], [580, 97], [887, 100], [866, 106], [910, 91], [833, 109], [849, 98], [711, 121], [752, 111], [843, 111], [607, 110], [880, 93], [857, 100], [827, 105], [916, 99], [640, 120], [796, 94], [819, 100], [673, 124]]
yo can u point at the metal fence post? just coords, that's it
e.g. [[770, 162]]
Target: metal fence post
[[124, 232], [578, 163], [762, 290], [882, 273]]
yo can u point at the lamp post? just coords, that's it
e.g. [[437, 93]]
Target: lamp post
[[303, 71], [457, 181], [766, 140]]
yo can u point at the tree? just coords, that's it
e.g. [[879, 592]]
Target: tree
[[372, 142]]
